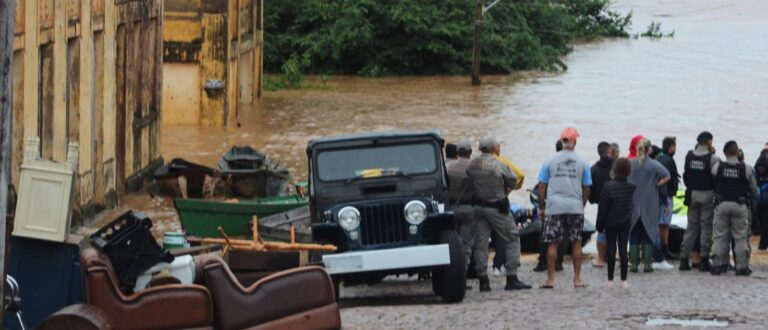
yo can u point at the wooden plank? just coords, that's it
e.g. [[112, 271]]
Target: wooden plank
[[86, 106], [73, 91], [99, 180], [109, 74], [32, 72], [60, 85], [18, 115], [45, 12], [157, 91], [19, 21], [6, 127], [147, 42], [121, 109], [45, 125], [135, 88]]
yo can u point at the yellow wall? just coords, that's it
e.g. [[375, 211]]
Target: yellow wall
[[181, 93]]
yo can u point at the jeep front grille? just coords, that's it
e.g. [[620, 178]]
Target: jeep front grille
[[383, 224]]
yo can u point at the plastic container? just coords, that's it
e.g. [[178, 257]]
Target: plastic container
[[182, 268], [174, 240]]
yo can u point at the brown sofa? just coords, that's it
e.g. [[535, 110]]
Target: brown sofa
[[170, 306], [301, 298]]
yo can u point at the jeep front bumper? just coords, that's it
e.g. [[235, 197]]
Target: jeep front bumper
[[387, 259]]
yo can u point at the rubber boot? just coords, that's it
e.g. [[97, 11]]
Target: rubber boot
[[704, 265], [648, 258], [513, 283], [634, 257], [684, 266], [485, 284]]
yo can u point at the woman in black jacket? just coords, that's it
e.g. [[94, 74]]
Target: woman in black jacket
[[614, 215]]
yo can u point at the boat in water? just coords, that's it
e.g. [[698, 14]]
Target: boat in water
[[202, 217], [168, 178], [278, 226], [250, 173]]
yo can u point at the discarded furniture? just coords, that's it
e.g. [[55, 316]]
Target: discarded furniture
[[257, 244], [301, 298], [48, 274], [77, 317], [45, 195], [182, 268], [249, 266], [201, 217], [251, 173], [170, 306], [128, 243]]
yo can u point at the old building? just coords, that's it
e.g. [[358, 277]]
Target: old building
[[90, 71], [212, 60]]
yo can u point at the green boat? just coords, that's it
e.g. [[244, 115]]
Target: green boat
[[202, 217]]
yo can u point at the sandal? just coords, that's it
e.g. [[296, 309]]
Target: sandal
[[546, 286]]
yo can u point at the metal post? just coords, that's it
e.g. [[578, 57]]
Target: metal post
[[477, 45], [6, 68]]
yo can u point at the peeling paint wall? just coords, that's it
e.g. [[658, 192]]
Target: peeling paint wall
[[221, 41], [65, 89]]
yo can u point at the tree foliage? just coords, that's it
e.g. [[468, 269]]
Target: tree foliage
[[429, 37]]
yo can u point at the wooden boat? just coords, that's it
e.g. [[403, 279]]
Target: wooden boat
[[278, 226], [167, 178], [250, 173], [200, 217]]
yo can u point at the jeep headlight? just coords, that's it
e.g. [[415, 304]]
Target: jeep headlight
[[415, 212], [349, 218]]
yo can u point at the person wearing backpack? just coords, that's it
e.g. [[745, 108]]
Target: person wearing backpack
[[614, 217]]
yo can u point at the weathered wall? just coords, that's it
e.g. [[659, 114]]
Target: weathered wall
[[65, 88], [222, 39], [181, 83]]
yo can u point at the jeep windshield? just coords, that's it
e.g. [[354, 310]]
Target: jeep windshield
[[377, 161]]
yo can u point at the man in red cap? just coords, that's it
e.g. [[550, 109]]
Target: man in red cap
[[565, 180]]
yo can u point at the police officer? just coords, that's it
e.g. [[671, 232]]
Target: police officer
[[734, 182], [699, 180], [491, 182], [460, 194]]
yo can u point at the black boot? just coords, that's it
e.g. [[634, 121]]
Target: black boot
[[485, 284], [704, 265], [684, 266], [716, 270], [513, 283], [743, 272], [667, 255]]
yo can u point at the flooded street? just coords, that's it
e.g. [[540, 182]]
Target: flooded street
[[712, 75]]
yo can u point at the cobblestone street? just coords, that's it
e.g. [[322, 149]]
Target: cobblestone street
[[409, 304]]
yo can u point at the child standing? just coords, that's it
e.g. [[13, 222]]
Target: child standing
[[614, 216]]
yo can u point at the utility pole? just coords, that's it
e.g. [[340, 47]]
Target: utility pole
[[6, 68], [477, 43]]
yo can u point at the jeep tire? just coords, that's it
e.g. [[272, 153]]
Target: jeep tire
[[450, 281]]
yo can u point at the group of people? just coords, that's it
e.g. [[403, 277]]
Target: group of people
[[727, 200]]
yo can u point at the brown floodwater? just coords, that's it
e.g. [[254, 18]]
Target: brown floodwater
[[712, 75]]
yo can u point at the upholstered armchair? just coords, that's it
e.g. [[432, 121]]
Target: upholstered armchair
[[300, 298], [171, 306]]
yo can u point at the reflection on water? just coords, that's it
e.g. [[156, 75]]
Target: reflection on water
[[712, 75]]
